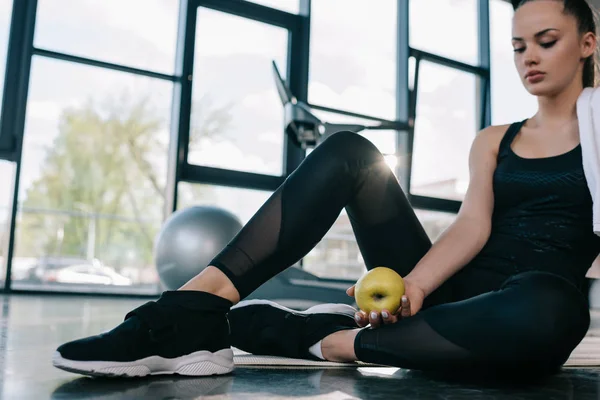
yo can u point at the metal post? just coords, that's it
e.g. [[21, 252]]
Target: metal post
[[18, 68], [484, 92], [404, 146], [297, 76], [182, 102]]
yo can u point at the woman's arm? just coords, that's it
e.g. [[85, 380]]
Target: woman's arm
[[471, 229]]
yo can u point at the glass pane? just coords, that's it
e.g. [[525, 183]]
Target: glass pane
[[292, 6], [434, 222], [445, 127], [353, 65], [93, 179], [7, 171], [445, 27], [243, 203], [337, 255], [5, 16], [136, 33], [237, 117], [510, 101], [385, 140]]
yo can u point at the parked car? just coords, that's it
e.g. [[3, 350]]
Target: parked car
[[88, 273], [76, 271]]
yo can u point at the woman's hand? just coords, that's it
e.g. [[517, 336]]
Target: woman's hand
[[412, 301]]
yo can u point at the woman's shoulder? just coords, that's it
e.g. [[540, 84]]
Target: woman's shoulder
[[495, 130], [493, 134], [490, 138]]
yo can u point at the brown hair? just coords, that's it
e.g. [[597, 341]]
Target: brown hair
[[586, 22]]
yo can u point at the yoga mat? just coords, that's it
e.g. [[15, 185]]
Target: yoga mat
[[243, 359], [587, 354]]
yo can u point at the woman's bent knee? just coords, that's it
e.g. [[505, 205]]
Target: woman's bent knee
[[350, 144]]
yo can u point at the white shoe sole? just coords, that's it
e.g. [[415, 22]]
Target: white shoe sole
[[333, 308], [200, 363]]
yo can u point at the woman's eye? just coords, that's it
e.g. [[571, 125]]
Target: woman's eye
[[548, 45], [519, 50]]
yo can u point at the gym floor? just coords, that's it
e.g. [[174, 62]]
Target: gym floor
[[33, 326]]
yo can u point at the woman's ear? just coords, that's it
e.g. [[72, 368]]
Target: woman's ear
[[589, 44]]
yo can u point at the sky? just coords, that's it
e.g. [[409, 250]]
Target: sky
[[352, 67]]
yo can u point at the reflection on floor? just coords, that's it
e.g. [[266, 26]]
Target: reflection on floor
[[33, 326]]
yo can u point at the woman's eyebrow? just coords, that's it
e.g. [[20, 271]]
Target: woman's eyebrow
[[540, 33]]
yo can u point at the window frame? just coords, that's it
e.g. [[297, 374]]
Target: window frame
[[21, 51]]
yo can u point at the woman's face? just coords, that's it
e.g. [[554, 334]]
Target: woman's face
[[548, 47]]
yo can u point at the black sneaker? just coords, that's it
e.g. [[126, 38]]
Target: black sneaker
[[183, 333], [263, 327]]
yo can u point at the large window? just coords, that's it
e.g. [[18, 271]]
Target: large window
[[445, 127], [93, 177], [237, 117], [94, 167], [5, 16], [445, 27], [510, 101], [136, 33], [353, 56], [7, 171]]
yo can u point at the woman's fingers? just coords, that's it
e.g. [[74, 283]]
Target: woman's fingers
[[405, 307], [350, 291], [361, 319], [374, 319], [388, 317], [385, 317]]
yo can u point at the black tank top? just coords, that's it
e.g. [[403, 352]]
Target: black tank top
[[542, 216]]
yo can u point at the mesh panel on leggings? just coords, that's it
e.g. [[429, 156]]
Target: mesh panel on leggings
[[256, 241]]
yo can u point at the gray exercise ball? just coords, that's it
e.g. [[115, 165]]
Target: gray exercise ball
[[189, 240]]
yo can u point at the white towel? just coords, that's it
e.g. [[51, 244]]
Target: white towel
[[588, 114]]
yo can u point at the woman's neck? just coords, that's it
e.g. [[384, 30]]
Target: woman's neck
[[559, 109]]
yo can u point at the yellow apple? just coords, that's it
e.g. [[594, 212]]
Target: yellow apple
[[379, 289]]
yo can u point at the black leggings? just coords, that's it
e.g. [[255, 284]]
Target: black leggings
[[477, 320]]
